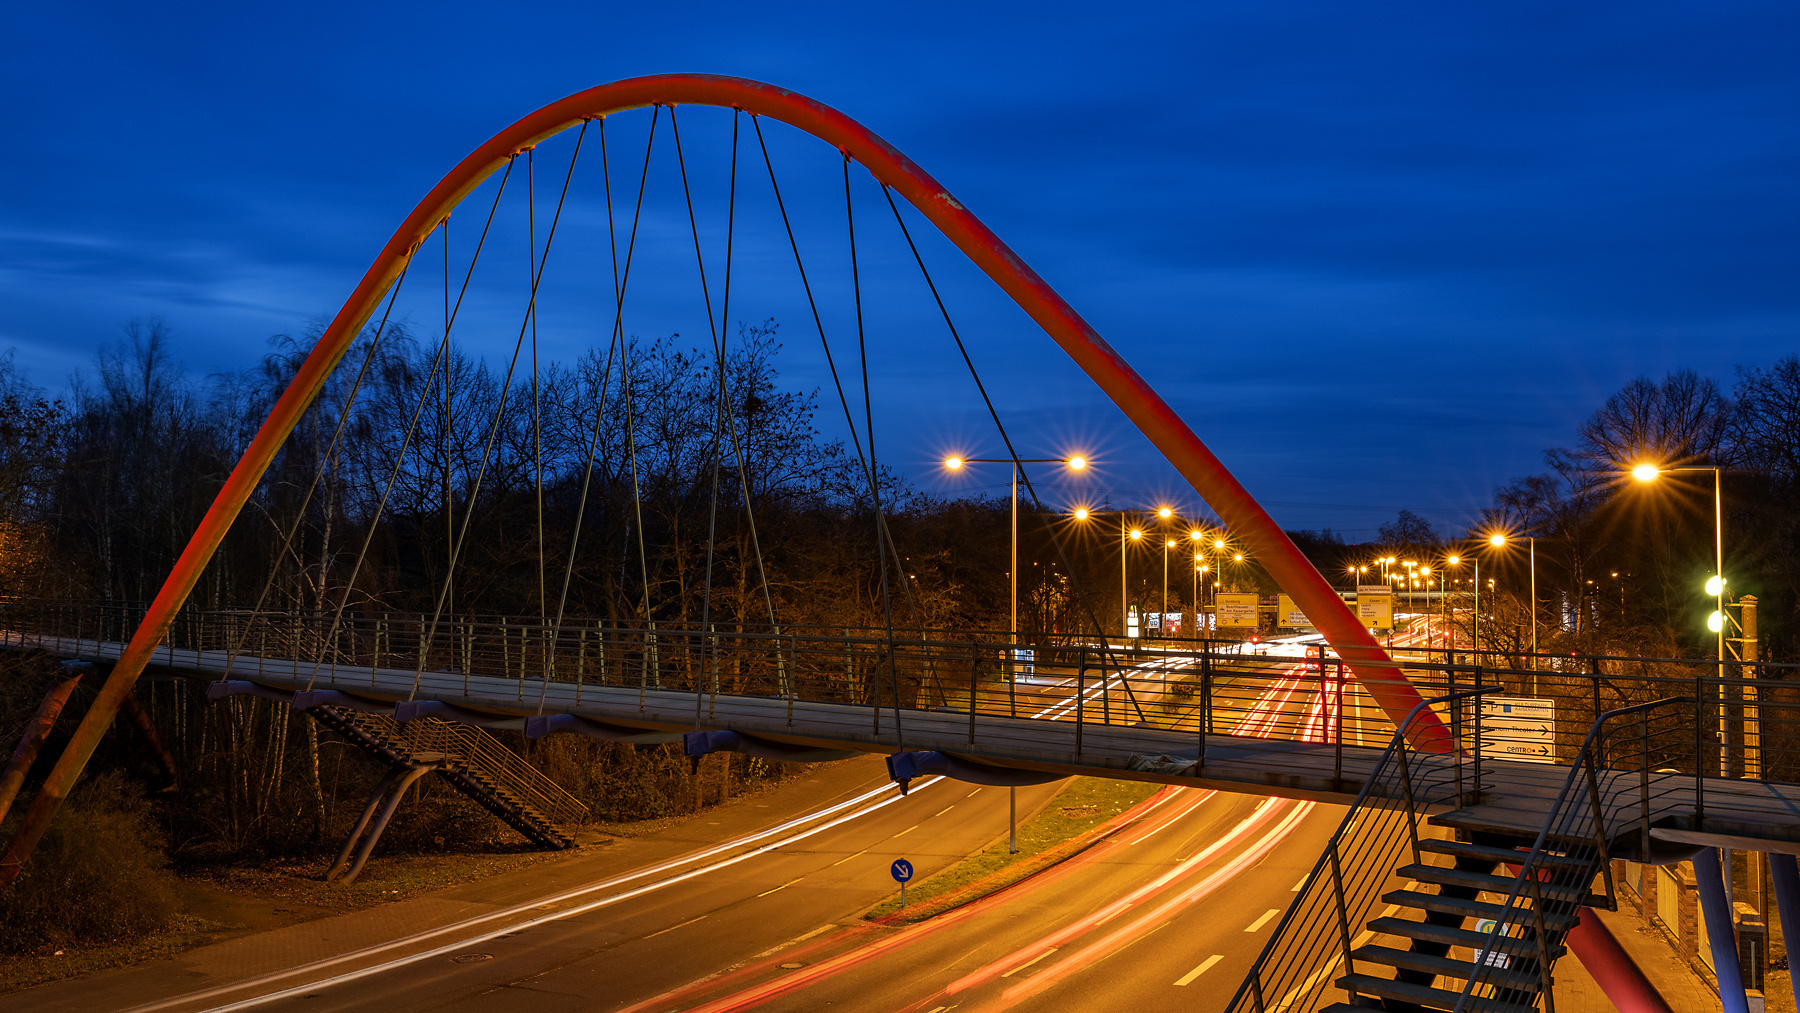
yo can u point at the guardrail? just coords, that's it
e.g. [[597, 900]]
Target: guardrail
[[1743, 726]]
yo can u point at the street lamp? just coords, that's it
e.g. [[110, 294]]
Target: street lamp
[[1499, 540], [1127, 535], [1714, 586], [957, 464], [1012, 635]]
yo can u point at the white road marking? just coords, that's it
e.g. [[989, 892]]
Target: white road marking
[[859, 854], [672, 928], [1267, 917], [1026, 964], [1202, 969], [580, 909], [1298, 885], [780, 888]]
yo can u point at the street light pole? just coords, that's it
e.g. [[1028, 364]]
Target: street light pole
[[1012, 622]]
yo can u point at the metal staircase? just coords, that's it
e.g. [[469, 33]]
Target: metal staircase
[[1478, 914], [472, 760]]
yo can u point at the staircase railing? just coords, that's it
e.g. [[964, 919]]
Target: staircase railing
[[474, 750], [1577, 833], [1323, 924]]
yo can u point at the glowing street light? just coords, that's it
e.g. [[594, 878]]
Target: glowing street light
[[955, 463], [1715, 587]]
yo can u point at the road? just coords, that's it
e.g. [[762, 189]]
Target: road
[[1170, 909]]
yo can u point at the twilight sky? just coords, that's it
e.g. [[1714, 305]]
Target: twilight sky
[[1378, 255]]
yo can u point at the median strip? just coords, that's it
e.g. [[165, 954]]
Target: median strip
[[1085, 811]]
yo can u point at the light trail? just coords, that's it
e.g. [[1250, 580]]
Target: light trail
[[531, 905]]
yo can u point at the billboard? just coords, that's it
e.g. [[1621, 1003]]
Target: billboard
[[1237, 610], [1288, 614]]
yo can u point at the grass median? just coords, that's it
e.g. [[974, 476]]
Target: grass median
[[1067, 824]]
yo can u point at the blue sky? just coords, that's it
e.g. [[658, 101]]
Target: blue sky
[[1379, 255]]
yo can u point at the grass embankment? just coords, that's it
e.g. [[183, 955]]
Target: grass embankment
[[1061, 829]]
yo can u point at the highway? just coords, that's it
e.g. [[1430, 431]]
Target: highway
[[1171, 908]]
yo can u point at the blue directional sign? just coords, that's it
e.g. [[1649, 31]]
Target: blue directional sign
[[901, 870]]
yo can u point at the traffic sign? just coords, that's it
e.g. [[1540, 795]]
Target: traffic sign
[[901, 870]]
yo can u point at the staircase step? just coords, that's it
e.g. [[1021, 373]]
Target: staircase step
[[1443, 876], [1555, 921], [1447, 966], [1493, 854], [1425, 995], [1476, 941]]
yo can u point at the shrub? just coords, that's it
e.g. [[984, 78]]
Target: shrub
[[100, 874]]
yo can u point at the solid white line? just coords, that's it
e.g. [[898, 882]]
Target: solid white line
[[530, 905], [1198, 971], [540, 920], [1267, 917]]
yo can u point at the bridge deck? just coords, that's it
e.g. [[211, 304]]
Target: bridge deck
[[1516, 796]]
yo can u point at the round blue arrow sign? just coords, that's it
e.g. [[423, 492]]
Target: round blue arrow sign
[[901, 870]]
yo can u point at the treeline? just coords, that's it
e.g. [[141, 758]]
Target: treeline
[[1622, 563], [596, 488]]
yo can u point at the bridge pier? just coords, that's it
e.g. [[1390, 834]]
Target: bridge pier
[[392, 787]]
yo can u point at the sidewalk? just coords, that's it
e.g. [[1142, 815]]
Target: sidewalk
[[1577, 992]]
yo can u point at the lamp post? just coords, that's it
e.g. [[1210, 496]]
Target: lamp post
[[1449, 611], [1127, 535], [1499, 540], [1714, 587], [957, 464], [1012, 627]]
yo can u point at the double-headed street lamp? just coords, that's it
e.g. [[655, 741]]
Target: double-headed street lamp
[[957, 464], [1012, 634]]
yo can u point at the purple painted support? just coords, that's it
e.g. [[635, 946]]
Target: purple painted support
[[696, 744], [1709, 877], [1786, 873], [903, 767]]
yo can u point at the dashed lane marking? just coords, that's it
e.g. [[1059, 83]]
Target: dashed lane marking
[[1267, 917], [1205, 965]]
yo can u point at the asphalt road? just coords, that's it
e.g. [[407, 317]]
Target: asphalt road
[[755, 909]]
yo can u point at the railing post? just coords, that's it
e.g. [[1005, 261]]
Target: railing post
[[1206, 693], [1343, 917], [1480, 742], [1080, 682], [1337, 751], [1456, 722], [975, 680], [1699, 771]]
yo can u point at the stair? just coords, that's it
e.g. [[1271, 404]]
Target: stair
[[1426, 997], [482, 773]]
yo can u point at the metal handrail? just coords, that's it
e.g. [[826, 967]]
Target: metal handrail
[[1528, 867], [1398, 746]]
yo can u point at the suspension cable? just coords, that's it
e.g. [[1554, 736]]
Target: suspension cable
[[287, 542], [881, 540], [493, 431], [1011, 451]]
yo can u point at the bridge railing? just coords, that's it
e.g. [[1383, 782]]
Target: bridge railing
[[1743, 723], [1320, 931]]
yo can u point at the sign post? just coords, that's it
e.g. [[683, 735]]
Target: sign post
[[902, 871]]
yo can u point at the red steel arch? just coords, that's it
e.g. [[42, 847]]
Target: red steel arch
[[1146, 409]]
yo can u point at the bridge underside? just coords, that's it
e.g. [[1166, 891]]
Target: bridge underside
[[1752, 815]]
